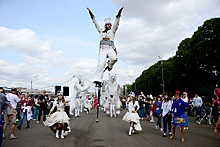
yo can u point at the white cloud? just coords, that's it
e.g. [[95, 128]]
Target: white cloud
[[148, 29]]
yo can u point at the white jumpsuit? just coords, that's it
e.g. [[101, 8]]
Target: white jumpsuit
[[106, 49]]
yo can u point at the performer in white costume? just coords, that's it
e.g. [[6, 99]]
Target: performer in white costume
[[81, 103], [88, 104], [77, 107], [105, 105], [104, 96], [132, 116], [114, 89], [112, 104], [58, 121], [75, 88], [107, 48]]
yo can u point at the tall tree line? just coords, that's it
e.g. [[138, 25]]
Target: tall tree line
[[194, 68]]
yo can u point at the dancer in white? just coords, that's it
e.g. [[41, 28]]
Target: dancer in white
[[77, 108], [114, 89], [104, 96], [88, 104], [132, 116], [112, 104], [58, 121], [76, 86], [107, 48]]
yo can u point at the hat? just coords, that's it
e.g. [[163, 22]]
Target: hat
[[177, 92], [59, 93], [132, 94], [107, 21], [185, 93]]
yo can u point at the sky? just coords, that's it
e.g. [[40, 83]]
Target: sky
[[49, 41]]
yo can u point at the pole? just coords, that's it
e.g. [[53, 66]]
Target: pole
[[162, 77], [99, 94], [31, 85], [162, 73], [32, 81]]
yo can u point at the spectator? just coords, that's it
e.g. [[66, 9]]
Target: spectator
[[179, 118], [43, 106], [13, 99], [215, 111], [166, 114], [186, 109], [157, 111], [141, 109], [4, 105], [197, 104], [35, 107], [26, 110]]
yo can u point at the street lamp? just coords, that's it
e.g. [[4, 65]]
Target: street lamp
[[32, 80], [162, 72]]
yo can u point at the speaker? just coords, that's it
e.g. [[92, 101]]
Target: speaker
[[57, 89], [67, 110], [65, 91]]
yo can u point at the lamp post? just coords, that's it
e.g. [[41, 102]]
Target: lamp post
[[32, 80], [162, 72]]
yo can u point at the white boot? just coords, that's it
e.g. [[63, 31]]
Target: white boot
[[130, 129], [62, 134], [57, 134]]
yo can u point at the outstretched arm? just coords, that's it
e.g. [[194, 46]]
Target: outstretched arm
[[90, 13], [119, 12], [98, 27], [116, 23]]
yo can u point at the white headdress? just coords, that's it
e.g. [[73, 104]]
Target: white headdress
[[107, 21], [132, 94]]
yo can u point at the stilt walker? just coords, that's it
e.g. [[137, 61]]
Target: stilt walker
[[107, 50]]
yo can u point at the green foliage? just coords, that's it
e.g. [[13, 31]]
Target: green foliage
[[194, 68]]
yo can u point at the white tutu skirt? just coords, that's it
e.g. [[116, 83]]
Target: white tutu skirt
[[57, 117], [88, 106], [134, 117]]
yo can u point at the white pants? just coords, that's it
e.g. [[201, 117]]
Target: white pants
[[112, 109], [104, 53], [77, 112]]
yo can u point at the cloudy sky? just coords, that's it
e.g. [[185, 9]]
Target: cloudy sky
[[56, 39]]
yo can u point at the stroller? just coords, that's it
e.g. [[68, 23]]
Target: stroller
[[207, 116]]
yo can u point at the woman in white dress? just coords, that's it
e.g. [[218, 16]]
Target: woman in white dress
[[59, 120], [132, 116], [88, 104]]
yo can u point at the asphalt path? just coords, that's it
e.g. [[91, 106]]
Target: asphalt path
[[110, 132]]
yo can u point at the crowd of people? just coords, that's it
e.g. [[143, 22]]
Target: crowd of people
[[169, 111], [52, 109]]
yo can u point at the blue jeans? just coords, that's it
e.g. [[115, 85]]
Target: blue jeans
[[158, 120], [144, 112], [18, 109], [23, 114], [198, 112], [186, 114], [2, 122], [35, 113], [141, 112]]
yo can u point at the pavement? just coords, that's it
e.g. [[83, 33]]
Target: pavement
[[110, 132]]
